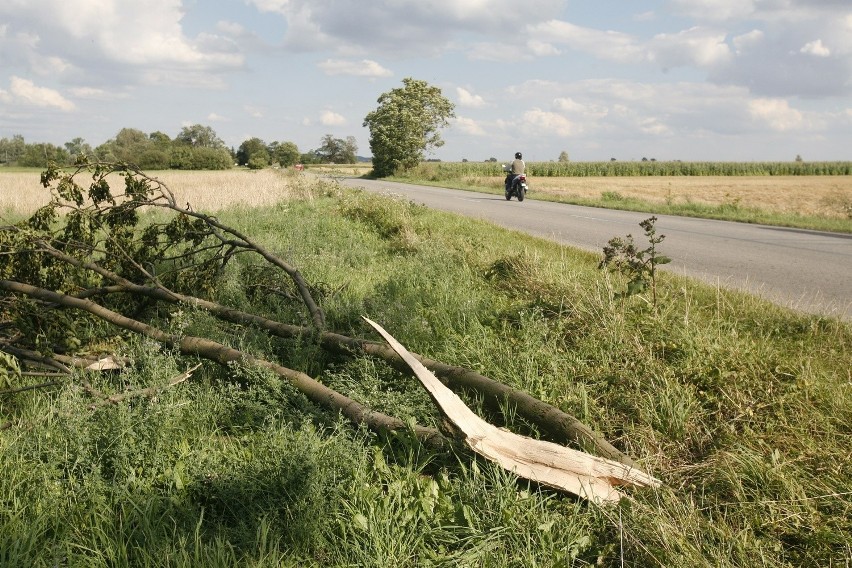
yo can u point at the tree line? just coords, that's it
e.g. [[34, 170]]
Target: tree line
[[403, 128], [195, 147]]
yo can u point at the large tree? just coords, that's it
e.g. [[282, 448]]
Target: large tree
[[406, 124], [337, 150], [200, 136], [253, 153], [284, 153]]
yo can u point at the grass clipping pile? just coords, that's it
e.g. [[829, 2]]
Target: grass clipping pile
[[91, 243]]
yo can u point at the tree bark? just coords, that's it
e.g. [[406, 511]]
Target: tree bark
[[560, 425], [222, 354]]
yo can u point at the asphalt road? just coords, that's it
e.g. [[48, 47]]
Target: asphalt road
[[810, 271]]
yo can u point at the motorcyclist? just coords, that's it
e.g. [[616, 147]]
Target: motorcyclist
[[515, 169]]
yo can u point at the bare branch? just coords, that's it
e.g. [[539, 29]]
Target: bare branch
[[222, 354], [149, 392], [30, 387]]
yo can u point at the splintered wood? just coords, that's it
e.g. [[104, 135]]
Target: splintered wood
[[547, 463]]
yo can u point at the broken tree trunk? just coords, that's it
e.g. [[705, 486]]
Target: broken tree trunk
[[552, 420], [543, 462], [222, 354]]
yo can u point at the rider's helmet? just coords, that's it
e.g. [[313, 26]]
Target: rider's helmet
[[518, 156]]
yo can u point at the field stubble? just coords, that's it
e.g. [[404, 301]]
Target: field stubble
[[822, 196]]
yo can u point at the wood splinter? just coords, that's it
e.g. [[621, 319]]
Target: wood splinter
[[591, 477]]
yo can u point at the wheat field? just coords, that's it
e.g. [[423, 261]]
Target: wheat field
[[21, 193]]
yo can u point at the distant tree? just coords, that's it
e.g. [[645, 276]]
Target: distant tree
[[563, 157], [612, 159], [154, 157], [257, 162], [40, 155], [78, 147], [253, 153], [491, 159], [161, 139], [310, 157], [284, 153], [127, 146], [11, 149], [464, 160], [799, 158], [185, 157], [199, 136], [336, 150], [406, 124]]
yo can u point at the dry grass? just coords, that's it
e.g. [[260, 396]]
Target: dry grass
[[822, 196], [209, 191]]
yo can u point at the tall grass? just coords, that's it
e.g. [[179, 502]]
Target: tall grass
[[744, 409]]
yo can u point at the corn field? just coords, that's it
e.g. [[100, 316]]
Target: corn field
[[446, 170]]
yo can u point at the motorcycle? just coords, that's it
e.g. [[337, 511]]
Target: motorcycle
[[517, 187]]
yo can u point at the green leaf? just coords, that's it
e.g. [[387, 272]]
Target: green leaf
[[636, 287], [360, 521]]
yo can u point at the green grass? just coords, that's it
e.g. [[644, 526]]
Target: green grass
[[742, 408]]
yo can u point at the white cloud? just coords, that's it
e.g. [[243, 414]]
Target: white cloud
[[549, 122], [541, 48], [399, 26], [654, 127], [713, 10], [114, 37], [699, 47], [776, 113], [816, 48], [214, 117], [494, 52], [468, 99], [363, 68], [253, 111], [97, 94], [747, 40], [26, 92], [609, 45], [330, 118], [468, 126], [571, 106]]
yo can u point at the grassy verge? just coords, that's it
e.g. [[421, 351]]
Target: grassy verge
[[744, 410]]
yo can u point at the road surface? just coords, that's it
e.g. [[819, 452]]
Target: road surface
[[810, 271]]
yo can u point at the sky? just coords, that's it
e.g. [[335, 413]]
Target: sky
[[715, 80]]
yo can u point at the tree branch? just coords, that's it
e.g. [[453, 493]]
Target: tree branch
[[557, 423], [222, 354]]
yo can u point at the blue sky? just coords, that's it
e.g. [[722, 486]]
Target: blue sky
[[668, 79]]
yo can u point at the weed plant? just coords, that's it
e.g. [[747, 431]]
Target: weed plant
[[742, 408]]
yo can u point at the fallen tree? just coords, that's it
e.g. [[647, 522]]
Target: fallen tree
[[88, 244]]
